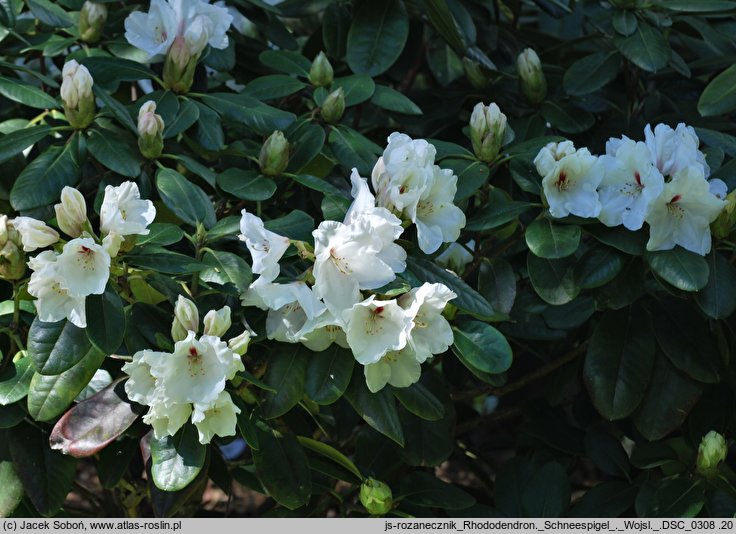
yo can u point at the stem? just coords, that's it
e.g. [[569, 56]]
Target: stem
[[528, 379], [199, 241], [12, 333]]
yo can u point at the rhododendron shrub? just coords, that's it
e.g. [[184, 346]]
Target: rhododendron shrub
[[367, 258]]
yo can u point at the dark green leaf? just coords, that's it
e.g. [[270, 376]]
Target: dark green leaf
[[497, 284], [567, 119], [11, 488], [15, 380], [716, 298], [483, 347], [591, 73], [328, 374], [187, 200], [187, 116], [548, 492], [246, 184], [392, 100], [56, 347], [358, 88], [495, 215], [553, 280], [597, 267], [422, 489], [377, 36], [719, 96], [377, 409], [282, 467], [226, 268], [420, 401], [105, 320], [286, 374], [273, 87], [26, 94], [619, 362], [16, 142], [286, 61], [552, 241], [50, 14], [646, 48]]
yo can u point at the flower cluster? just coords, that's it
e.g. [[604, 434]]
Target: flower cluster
[[340, 300], [189, 383], [662, 181], [62, 279]]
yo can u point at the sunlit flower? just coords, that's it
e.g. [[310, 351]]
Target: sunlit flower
[[53, 302], [166, 418], [83, 267], [34, 234], [141, 384], [124, 212], [375, 327], [399, 368], [571, 186], [430, 332], [265, 247], [218, 418], [438, 220]]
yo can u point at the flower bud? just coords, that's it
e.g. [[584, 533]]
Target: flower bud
[[76, 94], [320, 73], [487, 128], [12, 261], [274, 155], [180, 65], [150, 131], [531, 76], [186, 317], [239, 344], [474, 73], [112, 243], [723, 225], [34, 233], [711, 452], [217, 322], [71, 213], [334, 105], [376, 497], [92, 19]]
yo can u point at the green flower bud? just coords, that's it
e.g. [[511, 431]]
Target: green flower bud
[[217, 322], [531, 76], [376, 497], [711, 452], [487, 128], [92, 19], [179, 66], [274, 156], [71, 212], [150, 131], [76, 95], [320, 73], [334, 106], [12, 261], [474, 73], [723, 225], [239, 344]]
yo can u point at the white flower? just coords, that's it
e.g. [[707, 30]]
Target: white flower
[[141, 384], [112, 243], [571, 186], [630, 184], [329, 330], [455, 257], [53, 303], [198, 22], [718, 188], [550, 154], [683, 212], [166, 418], [438, 220], [674, 150], [430, 333], [83, 267], [403, 172], [76, 84], [71, 212], [266, 247], [294, 310], [375, 327], [217, 418], [186, 318], [217, 322], [239, 344], [124, 212], [34, 234], [398, 368], [240, 22], [197, 370]]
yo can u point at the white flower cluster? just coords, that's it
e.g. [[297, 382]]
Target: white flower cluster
[[192, 23], [662, 181], [189, 383], [390, 338], [61, 281]]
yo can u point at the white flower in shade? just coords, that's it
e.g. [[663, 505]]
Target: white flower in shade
[[71, 212], [112, 243], [83, 267], [141, 384], [630, 184], [614, 143], [239, 344], [674, 150], [718, 188], [294, 310], [571, 186], [197, 370], [217, 418], [550, 154], [438, 220], [329, 330], [683, 212], [196, 21], [53, 303], [76, 84], [403, 172], [217, 322], [430, 333], [400, 368], [124, 212], [455, 257], [266, 247], [166, 418], [34, 234], [375, 327]]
